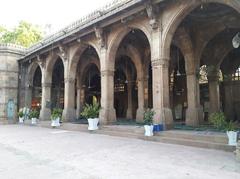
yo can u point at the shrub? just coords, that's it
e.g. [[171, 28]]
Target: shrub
[[20, 113], [218, 120], [34, 114], [56, 113], [148, 117], [91, 111], [230, 126]]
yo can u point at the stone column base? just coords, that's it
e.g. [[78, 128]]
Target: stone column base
[[194, 116], [45, 114], [164, 116], [139, 115], [107, 116], [69, 114]]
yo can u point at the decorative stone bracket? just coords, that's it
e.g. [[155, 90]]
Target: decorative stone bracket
[[151, 12], [63, 52], [100, 35], [41, 61]]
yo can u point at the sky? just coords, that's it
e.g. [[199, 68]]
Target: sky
[[57, 13]]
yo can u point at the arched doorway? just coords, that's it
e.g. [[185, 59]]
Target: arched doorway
[[88, 79], [178, 85], [192, 33], [125, 89], [37, 89], [57, 90], [131, 80]]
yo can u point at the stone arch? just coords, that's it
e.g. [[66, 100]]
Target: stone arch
[[31, 72], [135, 57], [76, 56], [179, 13], [50, 62], [118, 37]]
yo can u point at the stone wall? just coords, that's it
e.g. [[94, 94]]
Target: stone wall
[[9, 54]]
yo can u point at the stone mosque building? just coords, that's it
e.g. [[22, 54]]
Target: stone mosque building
[[175, 56]]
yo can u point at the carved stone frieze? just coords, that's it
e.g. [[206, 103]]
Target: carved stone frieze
[[107, 73], [164, 62]]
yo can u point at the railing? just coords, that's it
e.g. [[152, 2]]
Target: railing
[[13, 47], [116, 4]]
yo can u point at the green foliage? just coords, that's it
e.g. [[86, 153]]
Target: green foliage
[[230, 126], [34, 114], [148, 117], [24, 34], [218, 120], [56, 113], [20, 113], [91, 111]]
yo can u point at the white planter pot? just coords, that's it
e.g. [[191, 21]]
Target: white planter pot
[[92, 123], [56, 122], [232, 138], [148, 130], [21, 119], [34, 121]]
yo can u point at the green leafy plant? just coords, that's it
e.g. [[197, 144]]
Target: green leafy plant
[[56, 113], [20, 114], [230, 126], [34, 114], [91, 111], [148, 117], [218, 120]]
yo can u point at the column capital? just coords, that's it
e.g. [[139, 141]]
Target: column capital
[[214, 77], [47, 85], [69, 80], [160, 62], [107, 73]]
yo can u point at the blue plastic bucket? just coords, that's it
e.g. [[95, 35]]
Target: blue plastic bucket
[[157, 127]]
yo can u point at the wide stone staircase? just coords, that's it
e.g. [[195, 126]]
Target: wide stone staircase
[[203, 139]]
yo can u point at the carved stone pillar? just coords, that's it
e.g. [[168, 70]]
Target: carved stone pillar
[[80, 101], [69, 112], [129, 109], [141, 99], [45, 112], [228, 102], [194, 112], [161, 99], [107, 112], [214, 94]]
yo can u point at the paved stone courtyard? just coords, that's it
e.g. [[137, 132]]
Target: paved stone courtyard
[[28, 152]]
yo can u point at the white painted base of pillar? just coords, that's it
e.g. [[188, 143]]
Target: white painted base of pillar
[[107, 116], [129, 114], [69, 114], [45, 114], [140, 115], [194, 116], [163, 116]]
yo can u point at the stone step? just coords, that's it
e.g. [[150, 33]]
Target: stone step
[[194, 139], [171, 140], [194, 135]]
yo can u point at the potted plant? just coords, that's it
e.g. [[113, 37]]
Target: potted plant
[[55, 117], [20, 116], [91, 113], [34, 115], [148, 121], [231, 133], [219, 122]]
